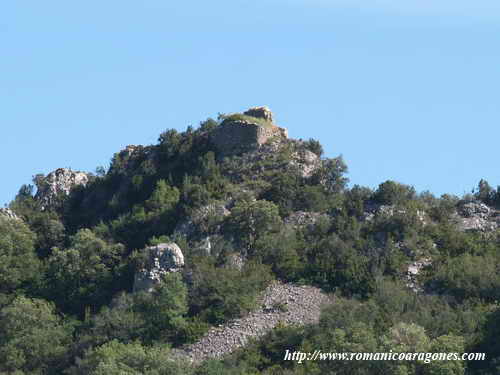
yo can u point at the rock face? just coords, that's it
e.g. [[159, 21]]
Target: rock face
[[413, 271], [238, 134], [162, 259], [477, 216], [281, 303], [8, 214], [58, 182], [306, 161], [373, 209], [201, 220]]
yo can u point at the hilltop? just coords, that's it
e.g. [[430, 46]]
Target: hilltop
[[233, 236]]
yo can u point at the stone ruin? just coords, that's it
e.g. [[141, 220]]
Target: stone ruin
[[161, 259], [56, 183], [237, 135], [260, 112]]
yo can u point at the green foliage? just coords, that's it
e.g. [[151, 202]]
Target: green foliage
[[391, 192], [33, 338], [149, 317], [470, 276], [251, 220], [334, 263], [446, 344], [18, 262], [219, 294], [314, 146], [115, 358], [164, 197], [331, 175], [85, 275], [246, 118]]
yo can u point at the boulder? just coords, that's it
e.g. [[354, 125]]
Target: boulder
[[161, 259], [56, 183]]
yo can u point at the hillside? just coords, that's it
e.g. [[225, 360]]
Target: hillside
[[219, 248]]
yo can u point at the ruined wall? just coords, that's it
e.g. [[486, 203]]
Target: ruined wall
[[239, 136]]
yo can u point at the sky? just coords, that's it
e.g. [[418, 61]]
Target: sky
[[404, 90]]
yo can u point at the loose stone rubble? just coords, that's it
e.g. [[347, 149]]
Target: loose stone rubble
[[281, 303]]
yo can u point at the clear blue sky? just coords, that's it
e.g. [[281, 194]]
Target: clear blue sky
[[405, 90]]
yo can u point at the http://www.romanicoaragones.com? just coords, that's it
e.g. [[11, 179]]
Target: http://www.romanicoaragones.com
[[318, 355]]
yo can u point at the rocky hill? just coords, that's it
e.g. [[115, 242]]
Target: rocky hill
[[234, 234]]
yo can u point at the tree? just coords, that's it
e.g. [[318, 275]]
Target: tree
[[163, 198], [391, 192], [331, 175], [18, 261], [33, 338], [115, 358], [485, 193], [85, 275], [446, 344], [251, 220]]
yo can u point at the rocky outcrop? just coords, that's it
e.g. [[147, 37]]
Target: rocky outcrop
[[57, 183], [241, 133], [477, 216], [306, 161], [236, 261], [373, 209], [161, 259], [203, 220], [413, 271], [8, 214], [281, 303], [304, 219]]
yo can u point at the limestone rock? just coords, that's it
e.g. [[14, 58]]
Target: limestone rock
[[476, 216], [413, 271], [161, 259], [204, 246], [373, 209], [303, 218], [56, 183], [9, 214], [201, 219], [306, 161], [235, 261]]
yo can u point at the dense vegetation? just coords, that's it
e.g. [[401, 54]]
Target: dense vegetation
[[66, 273]]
